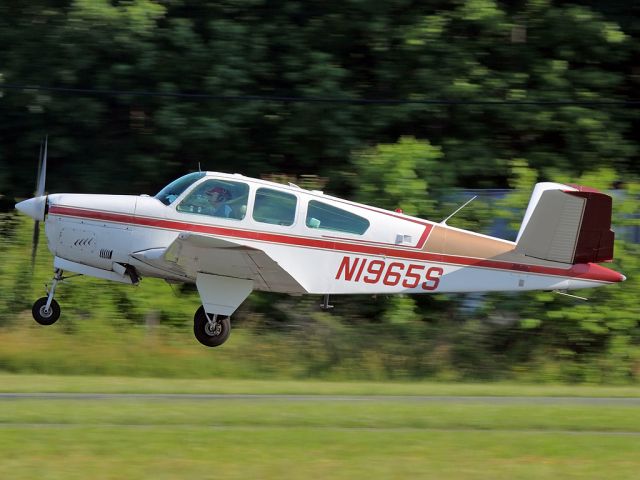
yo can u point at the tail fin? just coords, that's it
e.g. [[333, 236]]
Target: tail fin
[[567, 223]]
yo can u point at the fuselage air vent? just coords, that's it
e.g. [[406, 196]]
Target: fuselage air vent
[[106, 253]]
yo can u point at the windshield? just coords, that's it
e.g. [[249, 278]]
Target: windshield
[[172, 191]]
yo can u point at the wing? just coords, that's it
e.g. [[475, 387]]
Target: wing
[[192, 253]]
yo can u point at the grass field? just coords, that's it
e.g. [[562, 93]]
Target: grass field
[[106, 384], [349, 431]]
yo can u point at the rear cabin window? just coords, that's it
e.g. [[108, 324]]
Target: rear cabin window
[[327, 217], [274, 207], [217, 198]]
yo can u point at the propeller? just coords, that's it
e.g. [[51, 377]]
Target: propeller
[[36, 207], [42, 167], [42, 175]]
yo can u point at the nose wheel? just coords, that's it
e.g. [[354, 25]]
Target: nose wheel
[[45, 310], [45, 315], [211, 329]]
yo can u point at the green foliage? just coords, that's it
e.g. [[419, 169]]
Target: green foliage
[[83, 298], [537, 336], [522, 180], [470, 50], [410, 156], [398, 176], [595, 341]]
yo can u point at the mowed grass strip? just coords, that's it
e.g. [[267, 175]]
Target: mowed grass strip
[[165, 452], [282, 412], [276, 438], [106, 384]]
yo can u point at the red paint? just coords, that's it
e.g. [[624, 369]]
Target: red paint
[[393, 274], [581, 188], [361, 269], [433, 278], [375, 269], [595, 239], [592, 272], [347, 269], [378, 271], [412, 274]]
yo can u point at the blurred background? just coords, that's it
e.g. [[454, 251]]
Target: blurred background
[[399, 104]]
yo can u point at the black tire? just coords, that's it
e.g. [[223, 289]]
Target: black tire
[[42, 316], [203, 333]]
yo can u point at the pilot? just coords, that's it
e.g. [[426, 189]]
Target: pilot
[[218, 197]]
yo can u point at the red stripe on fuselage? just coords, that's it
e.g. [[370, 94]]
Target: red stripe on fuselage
[[580, 271]]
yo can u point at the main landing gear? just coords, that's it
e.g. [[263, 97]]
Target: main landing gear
[[211, 329], [46, 310]]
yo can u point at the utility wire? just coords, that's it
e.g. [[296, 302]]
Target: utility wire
[[293, 99]]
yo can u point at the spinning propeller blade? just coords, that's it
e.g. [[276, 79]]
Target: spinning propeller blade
[[40, 182], [34, 244], [42, 168]]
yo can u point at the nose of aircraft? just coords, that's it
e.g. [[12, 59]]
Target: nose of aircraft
[[34, 207]]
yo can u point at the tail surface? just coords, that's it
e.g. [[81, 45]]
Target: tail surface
[[568, 224]]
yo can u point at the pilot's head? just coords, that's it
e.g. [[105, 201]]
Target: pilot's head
[[218, 194]]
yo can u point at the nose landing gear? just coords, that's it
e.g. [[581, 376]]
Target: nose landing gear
[[46, 310], [45, 315]]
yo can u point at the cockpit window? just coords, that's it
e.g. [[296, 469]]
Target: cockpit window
[[172, 191]]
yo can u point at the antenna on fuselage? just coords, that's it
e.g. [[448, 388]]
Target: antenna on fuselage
[[199, 169], [444, 222]]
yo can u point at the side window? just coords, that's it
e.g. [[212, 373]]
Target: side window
[[327, 217], [217, 198], [275, 207]]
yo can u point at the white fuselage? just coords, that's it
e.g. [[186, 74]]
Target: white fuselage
[[312, 243]]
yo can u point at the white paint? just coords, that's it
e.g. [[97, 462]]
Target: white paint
[[227, 266], [222, 295], [34, 207], [75, 267]]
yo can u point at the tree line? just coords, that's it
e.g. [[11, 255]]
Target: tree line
[[543, 54], [485, 94]]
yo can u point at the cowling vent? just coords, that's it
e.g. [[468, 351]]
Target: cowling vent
[[106, 253]]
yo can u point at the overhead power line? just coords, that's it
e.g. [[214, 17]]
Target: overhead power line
[[295, 99]]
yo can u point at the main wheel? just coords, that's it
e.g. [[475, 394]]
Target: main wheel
[[45, 316], [208, 334]]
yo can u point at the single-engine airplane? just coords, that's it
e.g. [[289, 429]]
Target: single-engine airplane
[[230, 234]]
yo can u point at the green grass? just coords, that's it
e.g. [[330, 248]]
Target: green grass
[[276, 453], [330, 413], [105, 384], [275, 437]]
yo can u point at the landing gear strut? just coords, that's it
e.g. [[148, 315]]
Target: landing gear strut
[[325, 303], [46, 310], [211, 329]]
